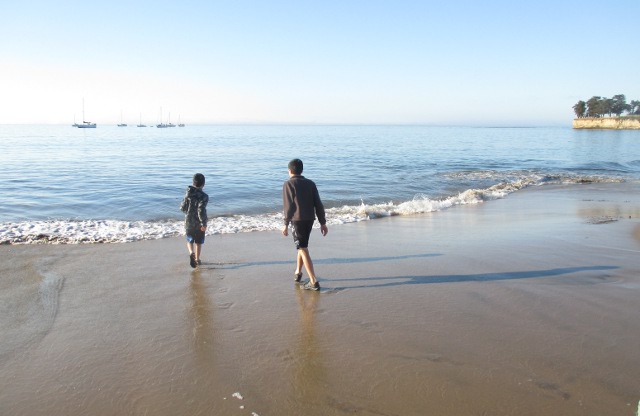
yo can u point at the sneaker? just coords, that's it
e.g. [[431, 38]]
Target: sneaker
[[192, 260], [297, 278], [199, 262], [311, 286]]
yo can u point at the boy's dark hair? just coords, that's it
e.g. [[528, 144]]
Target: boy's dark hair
[[295, 166], [198, 180]]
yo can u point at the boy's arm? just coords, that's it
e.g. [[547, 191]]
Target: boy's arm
[[184, 206], [288, 205], [322, 219], [202, 211], [288, 208], [319, 207]]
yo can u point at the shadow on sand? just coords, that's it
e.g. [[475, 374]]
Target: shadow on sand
[[333, 260], [456, 278]]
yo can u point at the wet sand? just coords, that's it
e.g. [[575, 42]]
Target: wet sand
[[523, 306]]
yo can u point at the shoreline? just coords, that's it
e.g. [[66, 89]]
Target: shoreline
[[607, 123], [114, 231], [526, 305]]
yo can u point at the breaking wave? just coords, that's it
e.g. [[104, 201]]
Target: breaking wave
[[116, 231]]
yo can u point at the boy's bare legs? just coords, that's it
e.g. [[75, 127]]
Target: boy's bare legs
[[194, 250], [198, 251], [299, 263], [192, 255], [304, 257]]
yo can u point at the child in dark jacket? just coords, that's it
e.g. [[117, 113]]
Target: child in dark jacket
[[194, 206]]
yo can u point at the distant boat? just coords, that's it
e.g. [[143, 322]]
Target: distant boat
[[85, 124], [180, 124], [121, 123], [161, 125], [141, 125]]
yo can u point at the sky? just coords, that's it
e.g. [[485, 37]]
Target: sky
[[484, 63]]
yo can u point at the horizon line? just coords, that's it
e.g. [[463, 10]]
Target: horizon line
[[274, 123]]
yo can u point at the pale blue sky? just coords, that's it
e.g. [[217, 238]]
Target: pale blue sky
[[446, 63]]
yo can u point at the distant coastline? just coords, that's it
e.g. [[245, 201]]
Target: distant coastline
[[607, 123]]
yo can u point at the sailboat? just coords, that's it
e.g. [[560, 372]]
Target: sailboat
[[161, 125], [121, 123], [85, 124], [180, 124], [141, 125]]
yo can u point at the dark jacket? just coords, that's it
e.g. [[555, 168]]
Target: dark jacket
[[301, 201], [194, 206]]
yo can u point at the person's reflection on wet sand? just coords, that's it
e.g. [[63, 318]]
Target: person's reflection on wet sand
[[309, 381], [202, 319]]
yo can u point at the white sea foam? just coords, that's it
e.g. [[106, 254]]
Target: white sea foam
[[422, 203], [114, 231]]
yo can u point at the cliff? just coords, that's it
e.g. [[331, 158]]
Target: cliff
[[611, 123]]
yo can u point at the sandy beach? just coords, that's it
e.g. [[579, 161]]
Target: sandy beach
[[522, 306]]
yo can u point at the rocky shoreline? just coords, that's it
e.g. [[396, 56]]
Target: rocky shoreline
[[607, 123]]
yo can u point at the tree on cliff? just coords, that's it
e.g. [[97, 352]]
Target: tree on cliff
[[580, 109], [599, 107], [594, 107], [619, 105], [606, 106]]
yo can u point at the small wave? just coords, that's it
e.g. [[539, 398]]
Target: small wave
[[532, 178], [114, 231], [512, 182], [422, 203]]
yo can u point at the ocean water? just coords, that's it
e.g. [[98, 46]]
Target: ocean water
[[59, 184]]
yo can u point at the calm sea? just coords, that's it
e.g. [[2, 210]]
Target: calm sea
[[118, 184]]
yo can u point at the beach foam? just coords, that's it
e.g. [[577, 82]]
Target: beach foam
[[117, 231]]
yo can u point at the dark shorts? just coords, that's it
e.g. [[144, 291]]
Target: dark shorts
[[195, 236], [301, 233]]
